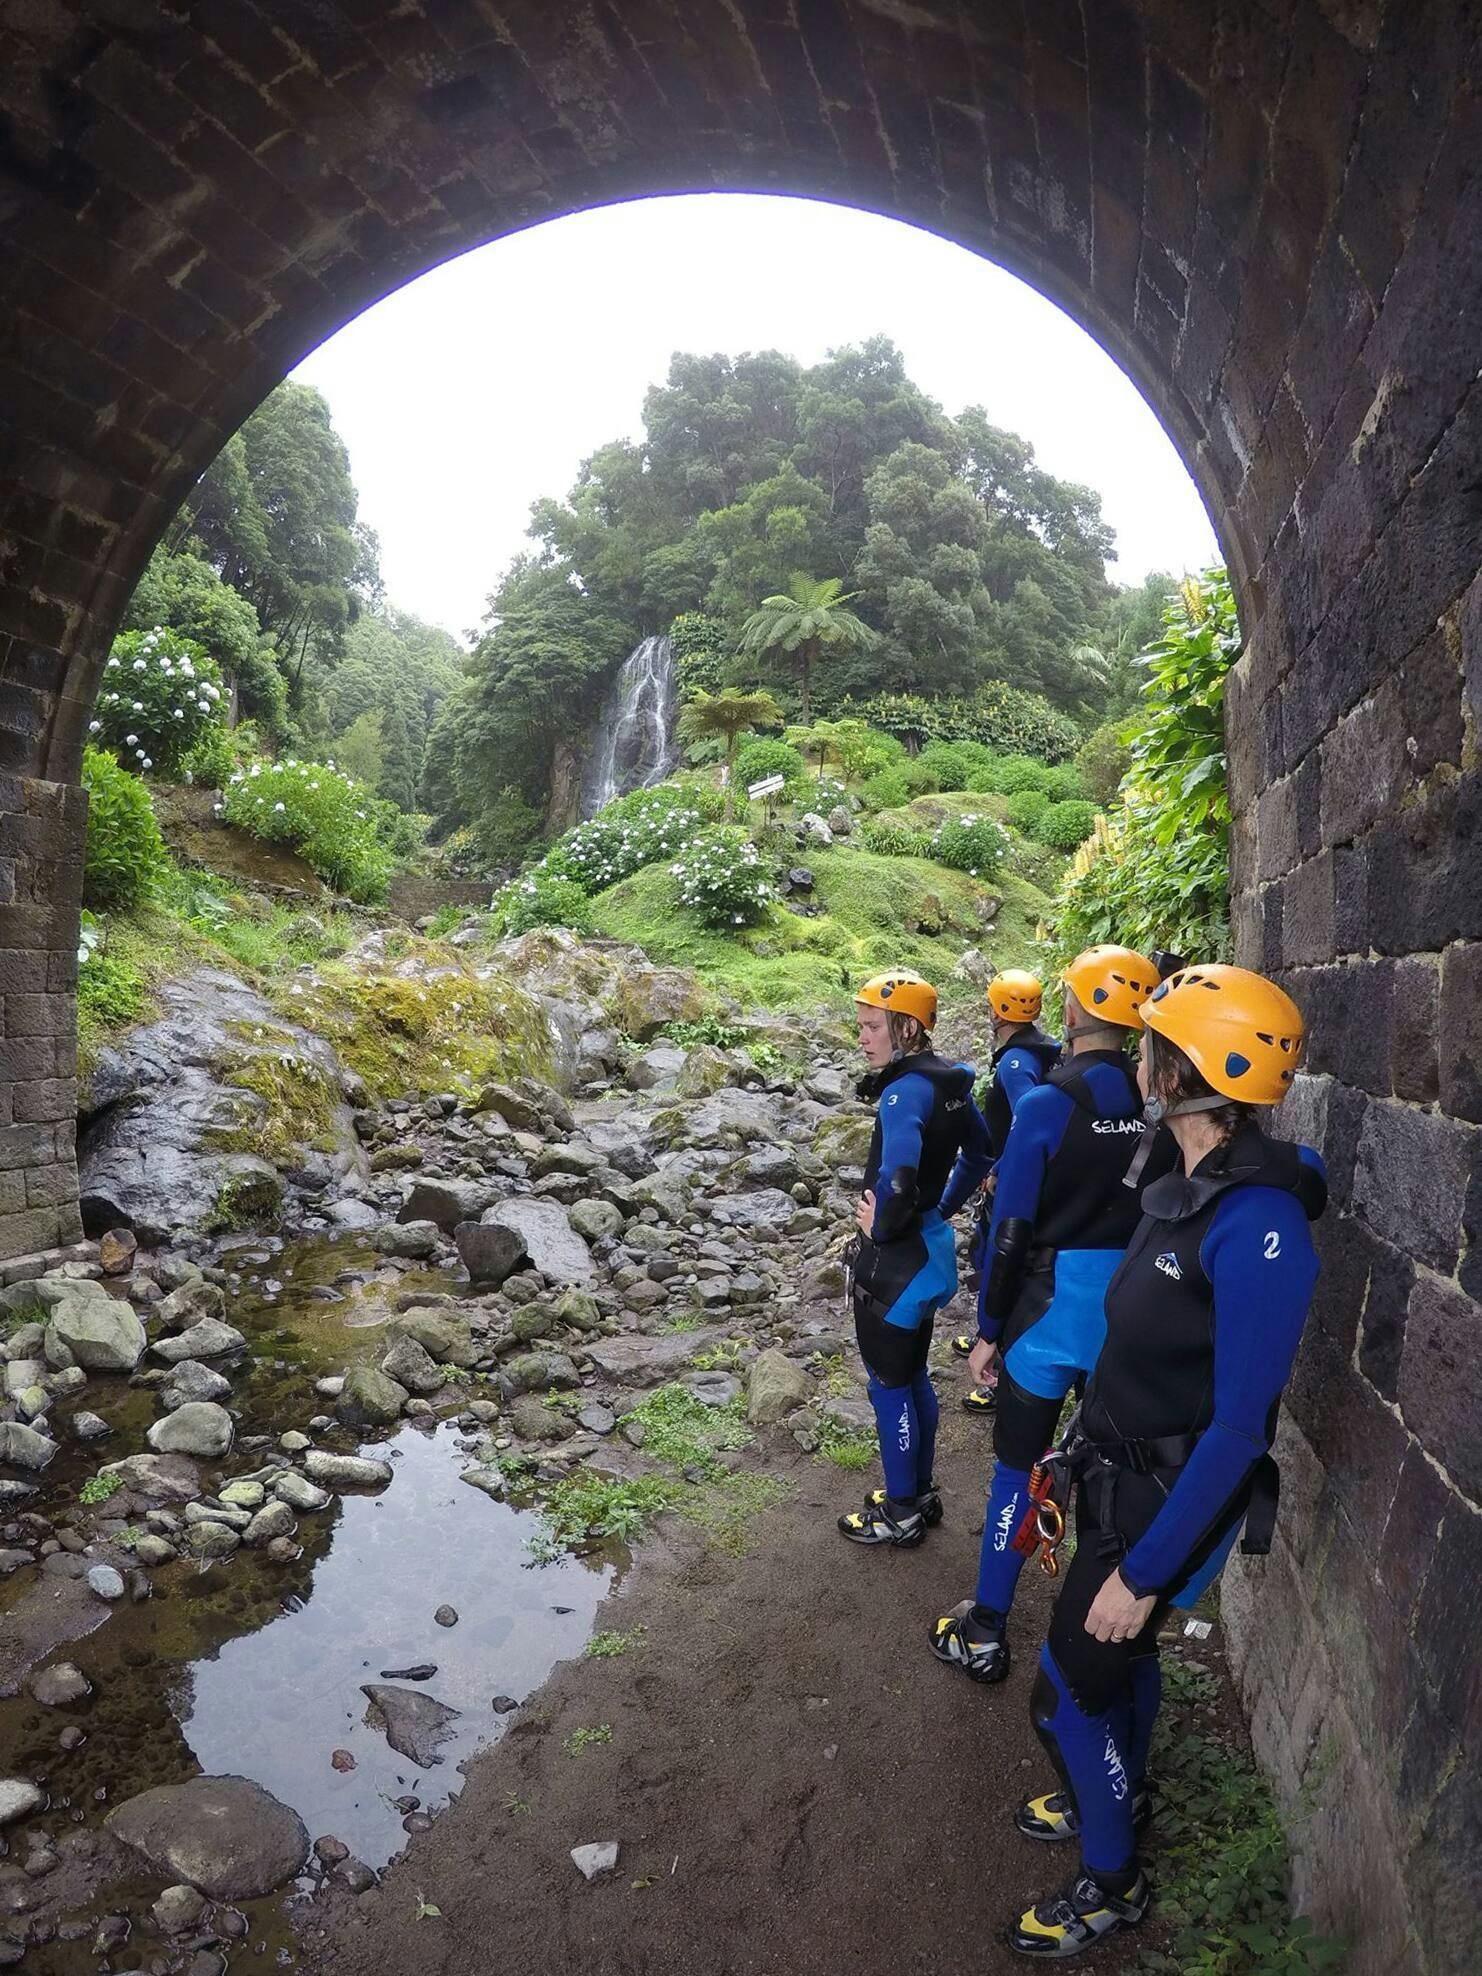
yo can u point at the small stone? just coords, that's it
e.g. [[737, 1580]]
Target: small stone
[[345, 1471], [331, 1851], [60, 1685], [18, 1799], [504, 1704], [210, 1540], [85, 1426], [153, 1549], [369, 1396], [446, 1615], [341, 1760], [595, 1860], [300, 1493], [200, 1428], [177, 1909], [597, 1419], [294, 1443], [269, 1524], [106, 1583], [71, 1738], [355, 1875], [242, 1494], [116, 1251]]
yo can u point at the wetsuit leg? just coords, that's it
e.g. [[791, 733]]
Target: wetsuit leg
[[923, 1395], [1022, 1430], [900, 1439], [1147, 1698]]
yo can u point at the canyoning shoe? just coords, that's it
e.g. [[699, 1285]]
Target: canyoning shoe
[[980, 1650], [1054, 1817], [929, 1502], [982, 1399], [878, 1523], [963, 1343], [1078, 1918]]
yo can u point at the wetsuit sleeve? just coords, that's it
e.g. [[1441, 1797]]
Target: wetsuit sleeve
[[904, 1110], [973, 1164], [1019, 1073], [1258, 1255], [1038, 1128]]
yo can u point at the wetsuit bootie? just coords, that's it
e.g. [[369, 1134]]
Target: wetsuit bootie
[[963, 1343], [967, 1638], [982, 1399], [929, 1502], [1079, 1917], [1053, 1817], [885, 1522]]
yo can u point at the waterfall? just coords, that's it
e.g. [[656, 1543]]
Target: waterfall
[[631, 747]]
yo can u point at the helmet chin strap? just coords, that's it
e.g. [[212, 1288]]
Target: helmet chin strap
[[1157, 1113]]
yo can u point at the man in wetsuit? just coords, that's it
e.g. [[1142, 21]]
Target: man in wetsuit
[[1061, 1219], [1203, 1320], [928, 1132], [1023, 1057]]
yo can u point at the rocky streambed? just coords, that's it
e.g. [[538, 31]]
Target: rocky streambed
[[274, 1507]]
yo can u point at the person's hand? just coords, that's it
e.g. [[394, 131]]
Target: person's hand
[[982, 1363], [990, 1184], [864, 1214], [1117, 1613]]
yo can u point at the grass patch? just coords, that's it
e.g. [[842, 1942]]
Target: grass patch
[[876, 912], [587, 1739], [723, 1357], [1221, 1868], [687, 1320], [99, 1488], [727, 1511], [680, 1431], [608, 1646], [590, 1505], [246, 1200], [850, 1448]]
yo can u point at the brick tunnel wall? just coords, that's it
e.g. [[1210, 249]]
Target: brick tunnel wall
[[1269, 210]]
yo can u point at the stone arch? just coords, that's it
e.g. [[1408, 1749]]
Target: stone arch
[[1268, 211]]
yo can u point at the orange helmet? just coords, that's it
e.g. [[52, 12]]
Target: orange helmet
[[1241, 1032], [1015, 995], [901, 993], [1111, 984]]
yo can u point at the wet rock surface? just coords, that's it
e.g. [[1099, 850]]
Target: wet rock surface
[[225, 1836]]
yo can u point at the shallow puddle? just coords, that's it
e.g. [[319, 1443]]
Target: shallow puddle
[[254, 1669]]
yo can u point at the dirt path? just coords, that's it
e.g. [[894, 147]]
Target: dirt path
[[796, 1785]]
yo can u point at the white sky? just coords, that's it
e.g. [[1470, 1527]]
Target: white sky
[[482, 386]]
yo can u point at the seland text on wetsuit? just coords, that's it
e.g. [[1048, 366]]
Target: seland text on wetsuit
[[928, 1152], [1062, 1218], [1204, 1317]]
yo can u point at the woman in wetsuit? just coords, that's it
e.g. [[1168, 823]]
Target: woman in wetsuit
[[928, 1133], [1204, 1317]]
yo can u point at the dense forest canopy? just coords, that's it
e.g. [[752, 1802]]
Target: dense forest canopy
[[968, 562]]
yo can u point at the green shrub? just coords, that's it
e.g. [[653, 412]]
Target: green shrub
[[721, 878], [917, 776], [975, 844], [818, 794], [1066, 784], [699, 644], [998, 716], [762, 757], [894, 840], [887, 789], [1103, 760], [110, 993], [641, 828], [1014, 773], [1026, 809], [544, 899], [212, 762], [124, 854], [507, 827], [160, 694], [319, 812], [1066, 826], [946, 763]]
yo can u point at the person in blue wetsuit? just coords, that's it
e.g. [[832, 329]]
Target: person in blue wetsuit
[[1061, 1219], [1023, 1057], [928, 1152], [1203, 1317]]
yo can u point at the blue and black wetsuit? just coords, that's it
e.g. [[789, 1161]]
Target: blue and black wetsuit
[[1019, 1067], [1062, 1218], [929, 1151], [1204, 1317]]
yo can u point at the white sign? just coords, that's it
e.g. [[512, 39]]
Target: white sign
[[768, 786]]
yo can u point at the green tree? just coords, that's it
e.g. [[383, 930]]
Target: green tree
[[401, 770], [359, 751], [726, 716], [809, 620]]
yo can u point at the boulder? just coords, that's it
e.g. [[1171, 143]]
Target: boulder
[[226, 1836], [595, 1221], [208, 1339], [190, 1380], [345, 1471], [645, 1361], [764, 1214], [116, 1251], [706, 1069], [23, 1447], [211, 1538], [158, 1478], [199, 1428], [777, 1385], [190, 1303], [648, 999], [370, 1397], [490, 1252], [578, 1309], [274, 1520], [550, 1241], [812, 827], [659, 1065], [18, 1799], [412, 1241], [533, 1420], [511, 1105], [840, 822], [446, 1202], [299, 1492], [410, 1366], [413, 1723], [106, 1583], [441, 1335], [101, 1334]]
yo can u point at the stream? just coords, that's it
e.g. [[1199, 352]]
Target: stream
[[250, 1668]]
